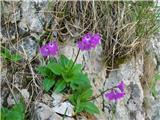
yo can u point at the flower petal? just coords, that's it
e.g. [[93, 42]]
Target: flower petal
[[121, 86], [50, 49], [89, 41], [119, 95], [110, 95], [44, 50], [53, 48]]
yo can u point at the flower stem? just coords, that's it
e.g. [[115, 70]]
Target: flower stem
[[97, 96], [75, 58]]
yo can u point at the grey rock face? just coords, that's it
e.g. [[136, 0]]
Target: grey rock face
[[154, 48], [41, 111], [4, 94], [65, 108], [153, 103], [153, 111], [131, 107], [8, 33], [32, 15], [25, 94], [23, 17], [28, 47], [4, 90], [133, 103], [11, 10], [57, 98]]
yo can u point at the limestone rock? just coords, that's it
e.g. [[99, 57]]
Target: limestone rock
[[41, 111], [57, 98], [47, 99], [131, 106], [25, 94], [4, 94], [11, 11], [7, 34], [155, 110], [28, 47], [65, 108], [155, 44], [154, 48], [33, 16]]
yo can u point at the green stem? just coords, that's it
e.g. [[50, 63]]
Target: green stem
[[95, 97], [75, 58]]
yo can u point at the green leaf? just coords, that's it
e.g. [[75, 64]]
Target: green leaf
[[91, 108], [43, 70], [80, 80], [16, 113], [3, 113], [77, 68], [5, 53], [60, 85], [67, 64], [47, 84], [64, 60], [68, 76], [77, 100], [86, 94], [157, 77], [72, 99], [74, 86], [153, 85], [153, 90], [79, 108], [19, 107], [16, 57], [73, 75], [56, 68], [70, 63], [52, 60]]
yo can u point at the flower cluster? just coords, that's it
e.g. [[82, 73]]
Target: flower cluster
[[50, 49], [116, 93], [89, 41]]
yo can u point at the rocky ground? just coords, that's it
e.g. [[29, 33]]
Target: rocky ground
[[138, 103]]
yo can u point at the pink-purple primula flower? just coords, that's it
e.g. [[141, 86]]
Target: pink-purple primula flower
[[121, 86], [116, 93], [89, 41], [50, 49]]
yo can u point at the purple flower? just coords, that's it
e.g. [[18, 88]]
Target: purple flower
[[53, 48], [121, 86], [110, 95], [44, 50], [50, 49], [116, 93], [89, 41], [95, 40]]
